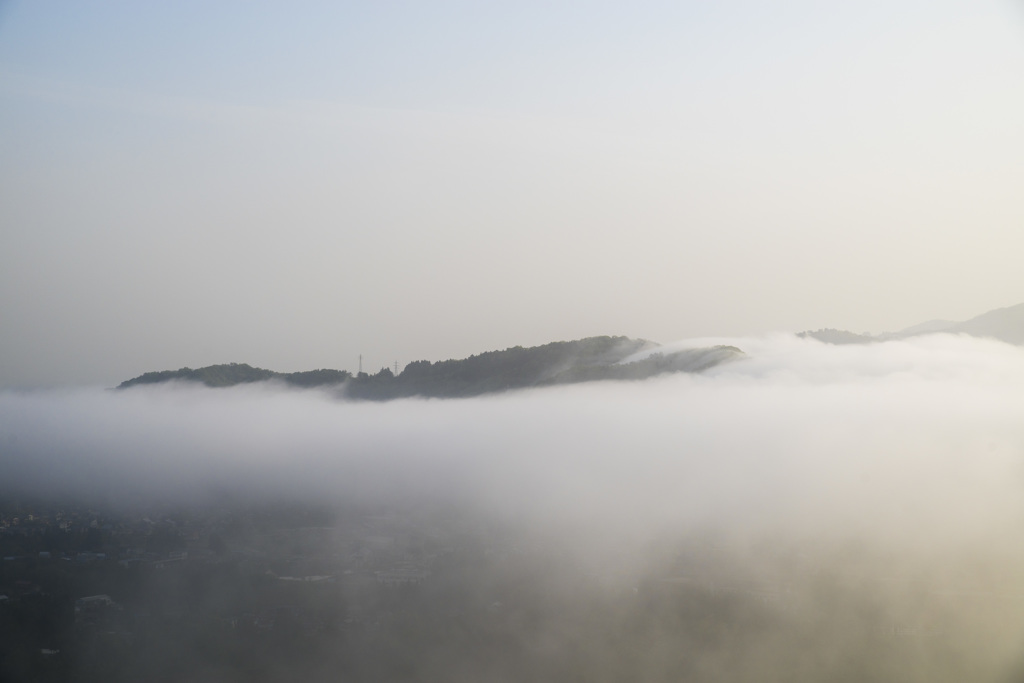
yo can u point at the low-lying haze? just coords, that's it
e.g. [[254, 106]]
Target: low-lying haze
[[902, 440]]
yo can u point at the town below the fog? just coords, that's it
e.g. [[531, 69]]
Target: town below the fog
[[268, 591]]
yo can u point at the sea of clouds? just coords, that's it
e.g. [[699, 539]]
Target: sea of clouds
[[911, 441]]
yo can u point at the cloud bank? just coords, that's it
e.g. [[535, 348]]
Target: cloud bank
[[903, 440]]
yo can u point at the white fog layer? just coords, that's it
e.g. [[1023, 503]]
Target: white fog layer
[[914, 442]]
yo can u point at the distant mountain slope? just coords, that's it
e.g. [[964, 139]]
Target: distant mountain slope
[[1004, 324], [831, 336], [927, 327], [595, 358]]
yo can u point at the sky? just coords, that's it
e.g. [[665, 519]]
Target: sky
[[294, 185]]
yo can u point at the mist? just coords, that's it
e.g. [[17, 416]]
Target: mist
[[893, 470], [798, 429]]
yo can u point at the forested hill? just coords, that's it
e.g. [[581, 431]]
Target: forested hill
[[595, 358], [230, 374]]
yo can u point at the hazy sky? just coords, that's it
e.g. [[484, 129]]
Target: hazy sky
[[291, 185]]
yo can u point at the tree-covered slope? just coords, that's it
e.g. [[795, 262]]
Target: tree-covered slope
[[513, 368], [230, 374]]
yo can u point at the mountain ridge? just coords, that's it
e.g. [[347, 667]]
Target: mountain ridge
[[1005, 324], [565, 362]]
